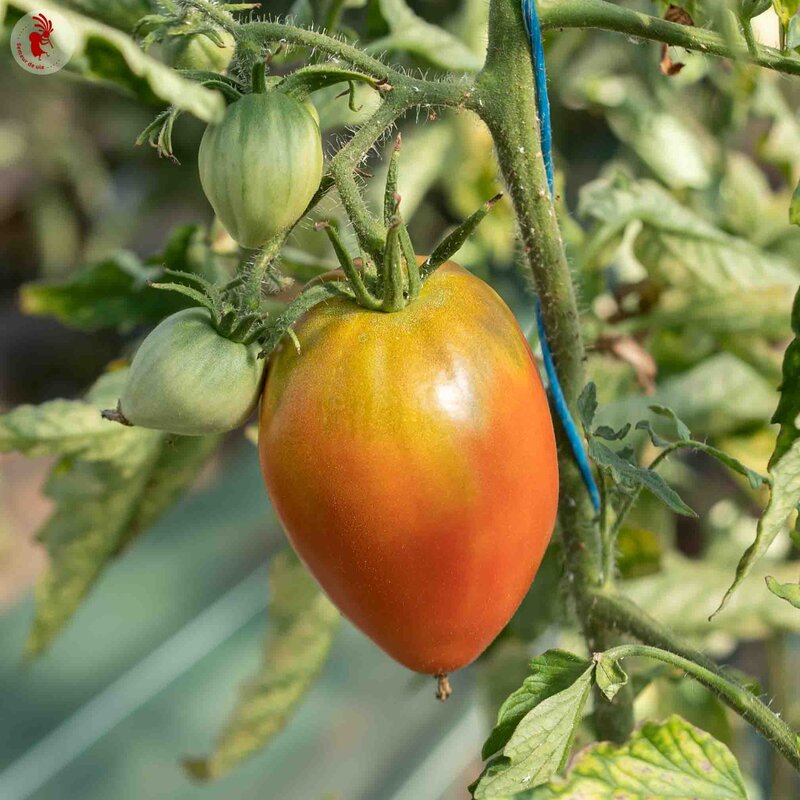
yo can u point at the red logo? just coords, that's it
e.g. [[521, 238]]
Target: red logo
[[43, 42], [40, 38]]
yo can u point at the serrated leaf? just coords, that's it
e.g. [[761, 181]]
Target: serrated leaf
[[105, 54], [630, 476], [749, 616], [671, 759], [681, 429], [412, 34], [790, 592], [609, 675], [676, 246], [68, 428], [720, 395], [587, 405], [784, 465], [114, 292], [656, 439], [754, 478], [552, 672], [609, 434], [540, 744], [109, 485], [303, 625], [110, 293]]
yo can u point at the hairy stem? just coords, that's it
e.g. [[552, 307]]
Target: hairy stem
[[744, 702], [506, 102], [610, 17]]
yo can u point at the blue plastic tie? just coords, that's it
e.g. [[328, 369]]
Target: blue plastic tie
[[546, 136]]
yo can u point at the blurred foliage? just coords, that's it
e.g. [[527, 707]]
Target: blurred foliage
[[676, 196]]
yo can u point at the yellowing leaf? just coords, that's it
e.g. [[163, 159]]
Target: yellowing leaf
[[106, 54], [672, 759], [304, 622], [109, 485]]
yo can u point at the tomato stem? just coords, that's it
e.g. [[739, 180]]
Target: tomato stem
[[443, 688], [394, 298], [259, 77], [363, 295]]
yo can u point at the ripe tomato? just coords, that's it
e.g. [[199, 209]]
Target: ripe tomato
[[411, 459]]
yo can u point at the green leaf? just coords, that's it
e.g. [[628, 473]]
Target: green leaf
[[681, 429], [105, 54], [303, 625], [794, 208], [785, 9], [752, 8], [639, 552], [122, 14], [749, 616], [540, 744], [609, 434], [658, 441], [630, 476], [412, 34], [587, 405], [677, 247], [754, 478], [671, 759], [68, 428], [786, 591], [784, 465], [609, 675], [109, 485], [114, 292], [720, 395], [552, 672]]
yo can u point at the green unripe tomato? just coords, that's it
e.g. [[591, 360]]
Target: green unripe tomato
[[199, 52], [187, 379], [261, 165]]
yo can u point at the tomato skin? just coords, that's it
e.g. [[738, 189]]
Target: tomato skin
[[187, 379], [411, 459], [261, 165]]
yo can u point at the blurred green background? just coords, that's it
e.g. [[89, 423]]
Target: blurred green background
[[146, 672]]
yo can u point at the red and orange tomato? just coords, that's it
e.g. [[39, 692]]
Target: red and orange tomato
[[411, 459]]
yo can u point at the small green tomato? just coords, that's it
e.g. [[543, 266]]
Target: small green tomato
[[197, 51], [261, 165], [187, 379]]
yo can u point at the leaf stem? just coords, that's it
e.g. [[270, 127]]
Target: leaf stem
[[733, 694], [607, 16]]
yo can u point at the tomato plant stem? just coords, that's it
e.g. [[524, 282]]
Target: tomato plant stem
[[506, 101], [730, 692], [610, 17]]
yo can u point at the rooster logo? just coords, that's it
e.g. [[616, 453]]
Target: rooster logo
[[40, 38]]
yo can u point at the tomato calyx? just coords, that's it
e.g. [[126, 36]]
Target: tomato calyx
[[235, 312], [390, 280]]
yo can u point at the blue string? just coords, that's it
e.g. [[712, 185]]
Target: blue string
[[546, 135]]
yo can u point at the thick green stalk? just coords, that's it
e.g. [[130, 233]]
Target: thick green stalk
[[610, 17], [506, 101], [744, 702]]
